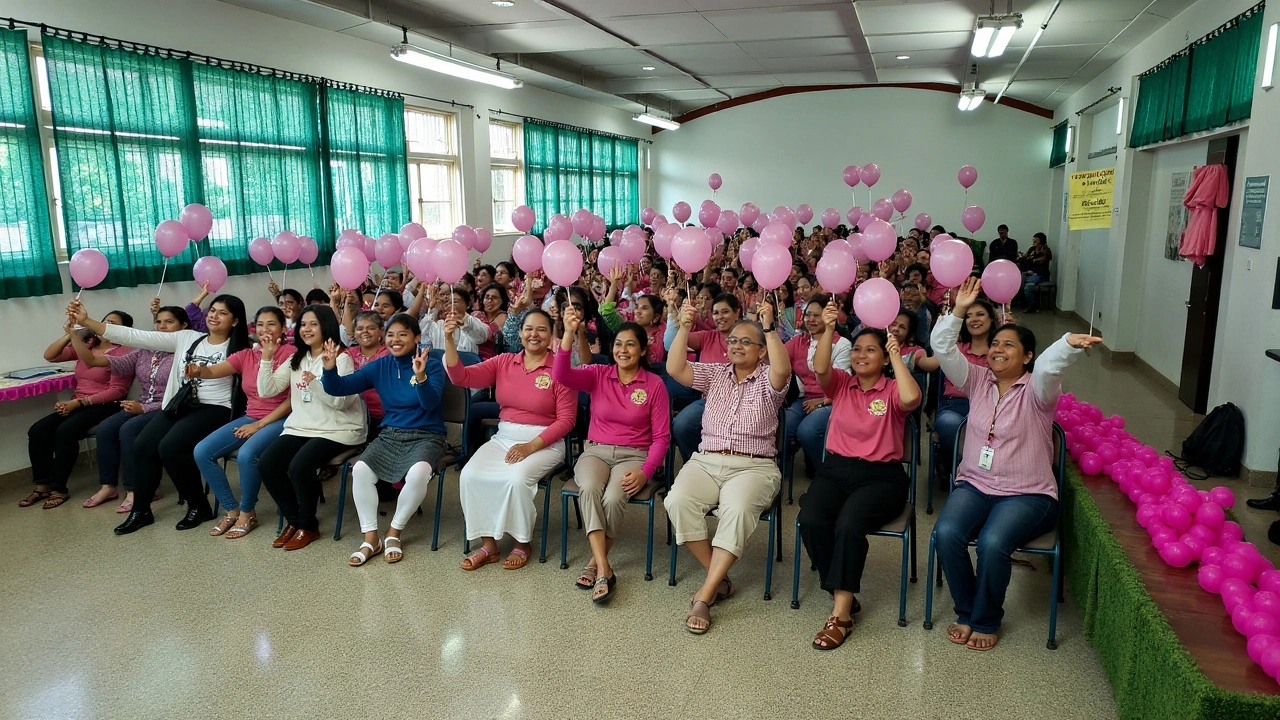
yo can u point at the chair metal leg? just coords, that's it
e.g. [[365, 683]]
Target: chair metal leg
[[435, 525], [1053, 604], [928, 595], [768, 560], [342, 500], [672, 579], [577, 510], [912, 529], [902, 588], [648, 547], [933, 451], [564, 530], [795, 573], [546, 509]]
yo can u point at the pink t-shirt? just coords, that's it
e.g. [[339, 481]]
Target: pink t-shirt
[[710, 346], [798, 351], [370, 396], [246, 363], [866, 424], [636, 415], [98, 384], [526, 397]]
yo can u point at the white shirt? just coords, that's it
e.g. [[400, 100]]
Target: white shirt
[[208, 392], [841, 357], [468, 338], [340, 419]]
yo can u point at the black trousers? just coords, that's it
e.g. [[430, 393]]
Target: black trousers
[[169, 445], [848, 499], [289, 469], [53, 443]]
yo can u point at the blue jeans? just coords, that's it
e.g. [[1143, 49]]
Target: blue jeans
[[952, 411], [1000, 524], [811, 429], [221, 443], [115, 446], [686, 428], [1029, 290]]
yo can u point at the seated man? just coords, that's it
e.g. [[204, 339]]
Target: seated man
[[711, 347], [735, 467]]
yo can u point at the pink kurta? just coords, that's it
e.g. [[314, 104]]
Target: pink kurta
[[1209, 191]]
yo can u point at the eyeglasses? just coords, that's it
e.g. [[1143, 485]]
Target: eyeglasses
[[731, 341], [813, 315]]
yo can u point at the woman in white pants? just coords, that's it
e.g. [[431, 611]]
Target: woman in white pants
[[499, 482], [412, 439]]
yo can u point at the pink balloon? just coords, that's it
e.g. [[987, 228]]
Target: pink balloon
[[852, 176], [708, 214], [388, 251], [1258, 645], [923, 221], [414, 231], [261, 252], [418, 258], [901, 201], [582, 220], [1176, 554], [210, 272], [1002, 281], [967, 176], [804, 214], [747, 253], [776, 233], [876, 303], [715, 236], [854, 214], [615, 237], [349, 237], [558, 230], [951, 262], [449, 260], [464, 236], [647, 215], [786, 216], [1269, 580], [748, 213], [1238, 566], [527, 252], [1210, 577], [404, 240], [286, 247], [879, 240], [681, 212], [1270, 660], [349, 267], [370, 248], [88, 267], [484, 239], [659, 221], [309, 251], [772, 264], [691, 250], [830, 218], [562, 262], [1222, 496], [197, 221], [171, 238], [882, 209], [598, 229], [1267, 601], [662, 238], [610, 258], [1090, 464], [836, 270], [632, 249], [715, 181], [1176, 517], [727, 223], [523, 218], [855, 246], [866, 219], [1261, 624], [760, 223], [869, 174], [973, 218]]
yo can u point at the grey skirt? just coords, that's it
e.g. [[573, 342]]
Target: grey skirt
[[395, 450]]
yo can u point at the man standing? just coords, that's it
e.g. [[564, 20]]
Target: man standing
[[1004, 247]]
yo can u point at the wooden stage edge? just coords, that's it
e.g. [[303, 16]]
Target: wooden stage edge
[[1197, 617]]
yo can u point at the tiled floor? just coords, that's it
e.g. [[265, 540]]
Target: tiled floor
[[162, 624]]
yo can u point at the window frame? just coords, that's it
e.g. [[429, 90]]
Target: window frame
[[502, 222], [452, 162], [48, 153]]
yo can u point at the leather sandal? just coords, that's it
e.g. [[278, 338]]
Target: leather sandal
[[360, 557], [604, 589], [698, 610], [518, 558], [479, 559], [724, 594], [833, 634], [35, 497], [55, 499], [245, 525], [587, 579], [225, 524]]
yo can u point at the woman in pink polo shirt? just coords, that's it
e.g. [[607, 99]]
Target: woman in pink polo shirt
[[861, 484], [1005, 493], [627, 441], [500, 480]]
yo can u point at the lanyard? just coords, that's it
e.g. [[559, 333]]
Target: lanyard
[[991, 431]]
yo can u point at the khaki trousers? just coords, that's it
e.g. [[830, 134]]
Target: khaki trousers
[[738, 488], [599, 472]]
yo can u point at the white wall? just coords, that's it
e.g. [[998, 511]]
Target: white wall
[[1094, 282], [793, 149]]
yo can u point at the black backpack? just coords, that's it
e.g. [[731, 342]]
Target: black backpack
[[1217, 444]]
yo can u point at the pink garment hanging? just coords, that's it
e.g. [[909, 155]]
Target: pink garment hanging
[[1209, 191]]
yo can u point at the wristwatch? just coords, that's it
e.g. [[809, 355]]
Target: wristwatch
[[771, 328], [415, 381]]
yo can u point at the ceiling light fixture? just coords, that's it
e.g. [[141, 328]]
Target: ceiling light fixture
[[992, 33], [904, 57], [970, 97], [502, 3], [656, 121], [648, 68], [426, 59], [1269, 64]]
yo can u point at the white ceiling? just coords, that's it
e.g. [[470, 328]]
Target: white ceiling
[[706, 51]]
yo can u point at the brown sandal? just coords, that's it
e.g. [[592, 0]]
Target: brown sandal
[[55, 499], [698, 613], [35, 497], [392, 553], [833, 634], [587, 580], [225, 524], [479, 559]]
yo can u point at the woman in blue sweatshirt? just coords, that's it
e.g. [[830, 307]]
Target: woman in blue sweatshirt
[[412, 439]]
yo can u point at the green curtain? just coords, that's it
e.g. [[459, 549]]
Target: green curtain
[[28, 265], [124, 127], [260, 148], [1058, 151], [1162, 102], [1223, 71], [567, 169], [367, 168]]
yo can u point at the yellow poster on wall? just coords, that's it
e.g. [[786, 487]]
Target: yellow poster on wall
[[1089, 203]]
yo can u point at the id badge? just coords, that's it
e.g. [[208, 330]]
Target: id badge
[[306, 396], [985, 457]]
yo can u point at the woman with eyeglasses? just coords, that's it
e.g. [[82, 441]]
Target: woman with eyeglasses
[[493, 313]]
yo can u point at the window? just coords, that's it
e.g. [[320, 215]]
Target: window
[[507, 176], [568, 168], [434, 181], [368, 175]]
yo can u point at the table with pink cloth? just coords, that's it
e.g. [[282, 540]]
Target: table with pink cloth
[[13, 389]]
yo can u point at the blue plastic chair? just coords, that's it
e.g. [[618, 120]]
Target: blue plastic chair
[[904, 526], [648, 497], [1049, 544], [936, 386]]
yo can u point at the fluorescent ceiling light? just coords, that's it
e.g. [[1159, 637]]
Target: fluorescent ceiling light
[[970, 97], [502, 3], [656, 121], [1070, 136], [648, 68], [1003, 36], [1120, 118], [426, 59], [982, 39], [904, 57], [1269, 66], [992, 33]]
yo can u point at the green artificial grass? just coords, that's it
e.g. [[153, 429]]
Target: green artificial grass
[[1152, 675]]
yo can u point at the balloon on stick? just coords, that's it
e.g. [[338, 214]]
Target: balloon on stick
[[852, 176], [748, 214], [197, 221], [413, 230], [1001, 281], [923, 221], [449, 260], [647, 216], [830, 218], [484, 239], [714, 182], [973, 218], [967, 176], [88, 267], [804, 214], [876, 303], [951, 262], [349, 266], [747, 252], [869, 174], [562, 262], [691, 250], [681, 212], [836, 270], [210, 273], [771, 265], [879, 240]]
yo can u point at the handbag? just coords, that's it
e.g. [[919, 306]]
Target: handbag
[[187, 396]]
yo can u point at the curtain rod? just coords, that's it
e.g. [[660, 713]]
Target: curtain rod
[[575, 128], [1228, 25], [210, 60], [1110, 91]]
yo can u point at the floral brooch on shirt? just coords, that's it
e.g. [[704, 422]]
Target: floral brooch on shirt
[[639, 396], [542, 382], [878, 407]]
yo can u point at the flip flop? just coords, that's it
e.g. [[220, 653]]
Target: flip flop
[[607, 585], [516, 560], [994, 640], [90, 502]]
